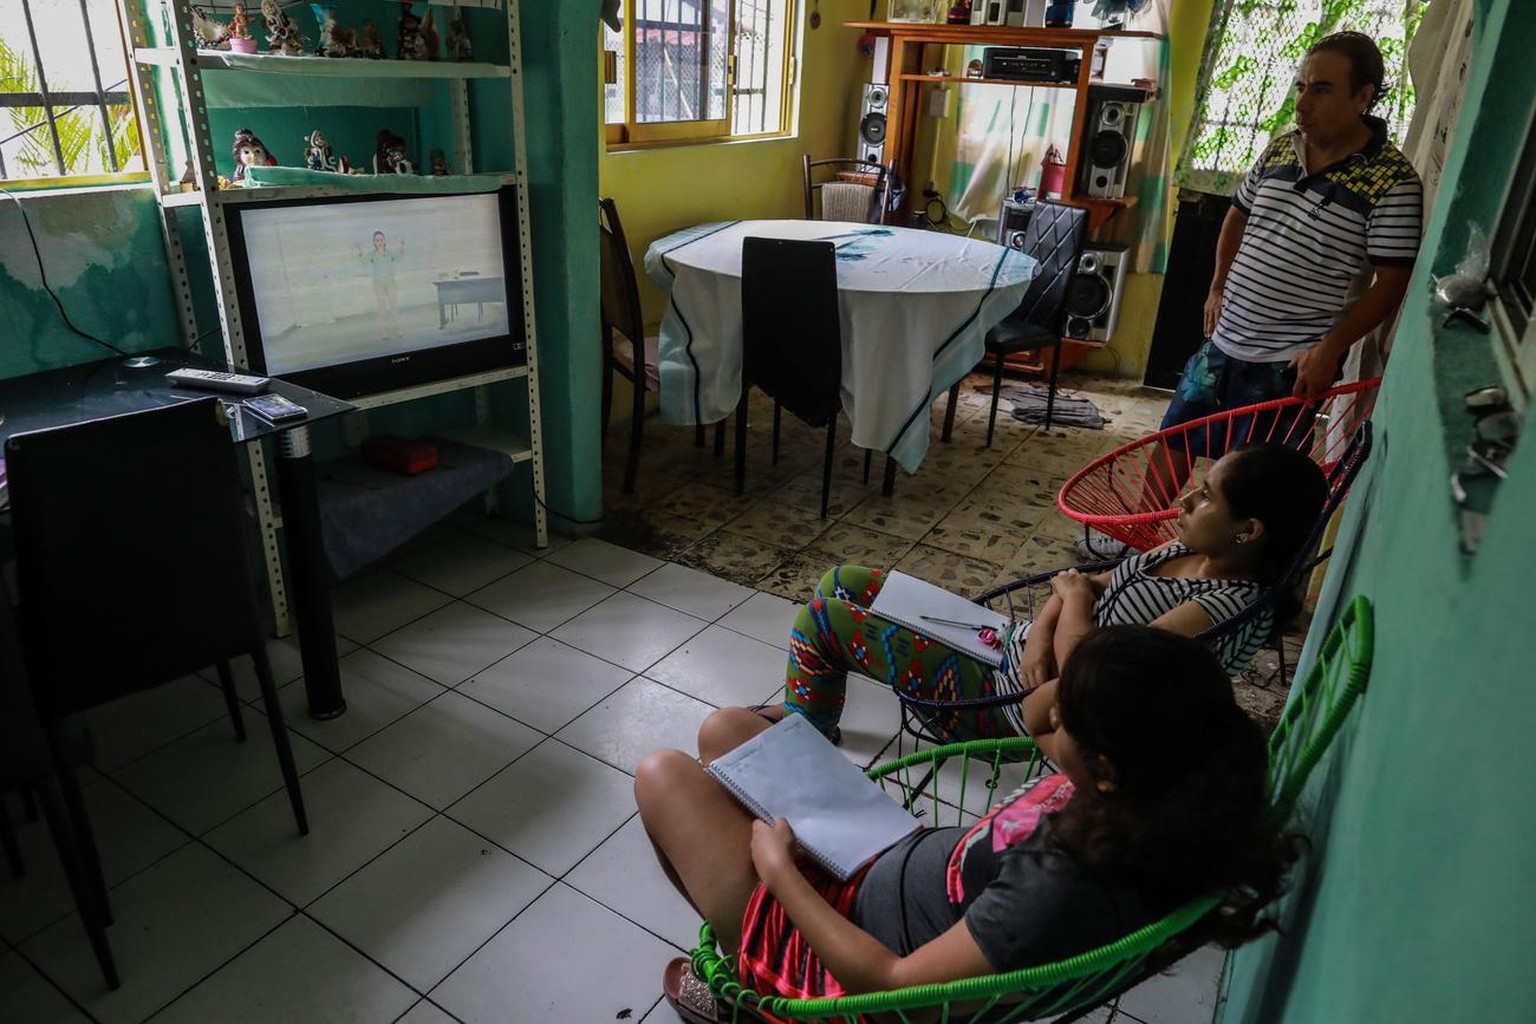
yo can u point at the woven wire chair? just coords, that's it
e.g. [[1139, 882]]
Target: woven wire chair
[[1126, 493], [1067, 989], [944, 721]]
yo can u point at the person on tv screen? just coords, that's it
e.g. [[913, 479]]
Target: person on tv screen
[[386, 291]]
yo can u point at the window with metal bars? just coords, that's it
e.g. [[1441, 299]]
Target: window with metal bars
[[66, 112], [697, 69]]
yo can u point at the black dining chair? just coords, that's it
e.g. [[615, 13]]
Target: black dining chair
[[133, 571], [1053, 238], [860, 189], [791, 340]]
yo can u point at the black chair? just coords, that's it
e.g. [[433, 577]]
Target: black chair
[[1053, 237], [133, 571], [626, 349], [859, 177], [791, 340], [27, 765]]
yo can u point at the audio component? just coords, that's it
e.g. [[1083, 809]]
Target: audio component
[[1014, 219], [871, 143], [1030, 64], [1094, 291], [1110, 135]]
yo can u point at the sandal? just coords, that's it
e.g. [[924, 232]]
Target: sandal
[[686, 993]]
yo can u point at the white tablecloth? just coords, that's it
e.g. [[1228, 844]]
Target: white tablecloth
[[915, 309]]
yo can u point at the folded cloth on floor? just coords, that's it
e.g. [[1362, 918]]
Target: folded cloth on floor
[[1071, 410]]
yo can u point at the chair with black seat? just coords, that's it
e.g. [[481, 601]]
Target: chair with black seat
[[26, 764], [627, 350], [1053, 238], [791, 340], [845, 188], [133, 571]]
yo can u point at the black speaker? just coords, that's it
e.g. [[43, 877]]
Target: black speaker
[[871, 145], [1094, 291], [1013, 221], [1110, 134]]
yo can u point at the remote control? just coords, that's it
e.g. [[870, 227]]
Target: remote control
[[218, 380]]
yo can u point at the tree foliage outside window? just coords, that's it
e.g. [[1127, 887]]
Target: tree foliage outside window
[[1246, 94], [65, 111]]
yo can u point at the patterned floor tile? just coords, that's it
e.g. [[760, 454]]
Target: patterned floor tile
[[738, 559], [861, 545], [785, 526], [704, 503], [967, 576], [796, 577]]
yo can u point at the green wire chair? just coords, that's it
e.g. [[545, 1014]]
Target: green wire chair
[[1076, 985]]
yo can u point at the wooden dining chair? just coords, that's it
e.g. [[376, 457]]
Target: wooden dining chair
[[791, 340], [1053, 238], [845, 188]]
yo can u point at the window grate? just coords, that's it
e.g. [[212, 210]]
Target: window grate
[[65, 109]]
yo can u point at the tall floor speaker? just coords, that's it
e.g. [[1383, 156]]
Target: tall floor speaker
[[1095, 289], [871, 142], [1109, 139]]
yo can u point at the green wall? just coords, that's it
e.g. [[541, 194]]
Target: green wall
[[107, 263], [1418, 902]]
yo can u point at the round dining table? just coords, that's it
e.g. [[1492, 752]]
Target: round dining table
[[914, 308]]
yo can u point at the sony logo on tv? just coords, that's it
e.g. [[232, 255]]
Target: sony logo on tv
[[397, 360]]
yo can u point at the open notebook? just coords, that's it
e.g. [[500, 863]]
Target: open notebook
[[916, 604], [842, 819]]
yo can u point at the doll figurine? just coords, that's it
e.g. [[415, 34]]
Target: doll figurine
[[439, 164], [317, 157], [458, 39], [249, 151], [408, 41], [240, 39], [389, 157], [283, 36], [325, 18], [372, 46]]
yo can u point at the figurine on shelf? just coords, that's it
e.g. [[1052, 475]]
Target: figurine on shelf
[[188, 178], [408, 42], [429, 37], [317, 157], [325, 18], [249, 151], [458, 39], [439, 164], [283, 35], [208, 33], [240, 38], [389, 157], [372, 46]]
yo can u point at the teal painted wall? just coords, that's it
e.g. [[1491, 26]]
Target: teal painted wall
[[107, 262], [1418, 902], [104, 259]]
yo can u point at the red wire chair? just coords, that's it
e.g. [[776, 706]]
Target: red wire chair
[[1120, 494]]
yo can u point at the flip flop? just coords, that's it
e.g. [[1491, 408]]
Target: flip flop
[[686, 993]]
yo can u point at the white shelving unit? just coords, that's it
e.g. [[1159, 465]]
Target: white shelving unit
[[160, 35]]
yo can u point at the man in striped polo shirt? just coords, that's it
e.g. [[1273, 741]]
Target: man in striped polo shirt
[[1322, 204]]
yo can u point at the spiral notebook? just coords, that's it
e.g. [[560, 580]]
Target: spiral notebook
[[935, 612], [842, 819]]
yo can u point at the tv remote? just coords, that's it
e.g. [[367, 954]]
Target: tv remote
[[218, 380]]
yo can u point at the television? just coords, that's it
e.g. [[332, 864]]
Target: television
[[357, 295]]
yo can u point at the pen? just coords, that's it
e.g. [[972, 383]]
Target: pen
[[955, 623]]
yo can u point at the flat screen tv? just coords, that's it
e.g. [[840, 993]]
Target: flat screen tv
[[358, 295]]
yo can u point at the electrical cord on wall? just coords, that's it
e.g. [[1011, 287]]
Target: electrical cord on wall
[[43, 273]]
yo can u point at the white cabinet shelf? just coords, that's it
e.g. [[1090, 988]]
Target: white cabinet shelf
[[178, 86]]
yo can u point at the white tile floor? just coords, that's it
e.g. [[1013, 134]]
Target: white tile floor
[[475, 854]]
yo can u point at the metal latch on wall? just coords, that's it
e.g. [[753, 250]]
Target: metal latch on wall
[[1496, 426]]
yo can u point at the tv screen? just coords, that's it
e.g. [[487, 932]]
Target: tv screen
[[356, 295]]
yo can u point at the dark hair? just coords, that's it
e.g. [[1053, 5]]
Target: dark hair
[[1365, 63], [1187, 814], [1281, 488]]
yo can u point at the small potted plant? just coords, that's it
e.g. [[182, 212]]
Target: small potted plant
[[240, 38]]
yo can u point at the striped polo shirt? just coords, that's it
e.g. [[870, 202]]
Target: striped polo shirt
[[1308, 237]]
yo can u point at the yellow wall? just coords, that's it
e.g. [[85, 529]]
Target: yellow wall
[[1127, 355]]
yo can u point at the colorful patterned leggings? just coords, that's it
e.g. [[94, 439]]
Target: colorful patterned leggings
[[836, 633]]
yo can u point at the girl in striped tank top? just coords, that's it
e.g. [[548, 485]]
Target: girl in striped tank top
[[1236, 533]]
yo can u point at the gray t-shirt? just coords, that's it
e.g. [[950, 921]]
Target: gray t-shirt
[[1024, 902]]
